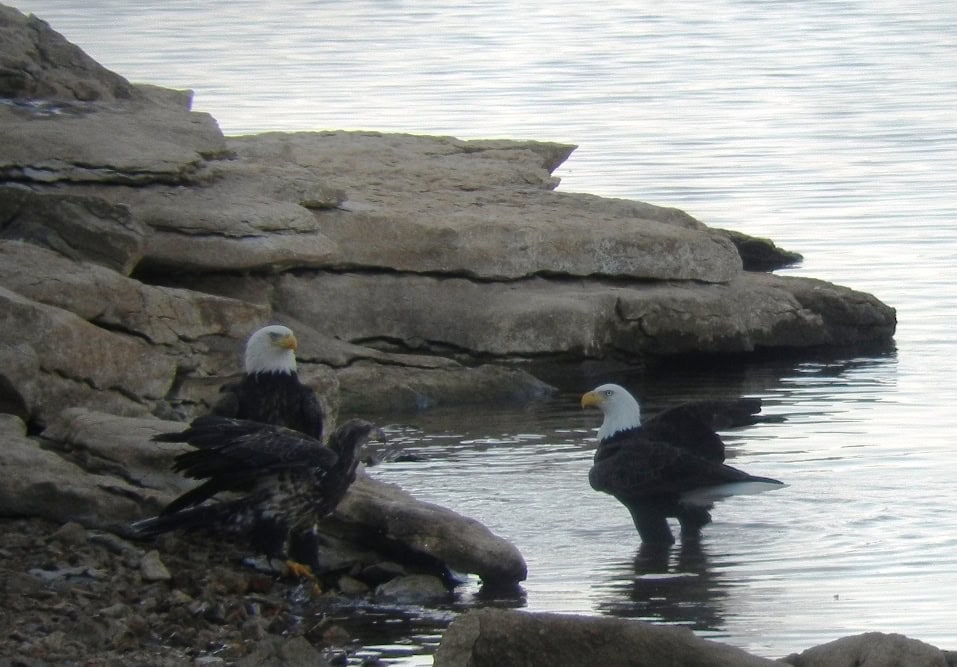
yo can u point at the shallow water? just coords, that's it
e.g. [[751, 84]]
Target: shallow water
[[827, 125]]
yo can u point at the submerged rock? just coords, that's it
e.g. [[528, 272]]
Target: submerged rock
[[493, 637], [871, 649]]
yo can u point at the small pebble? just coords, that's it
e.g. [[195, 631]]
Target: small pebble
[[152, 568], [70, 533]]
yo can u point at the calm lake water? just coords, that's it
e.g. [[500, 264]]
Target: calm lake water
[[829, 126]]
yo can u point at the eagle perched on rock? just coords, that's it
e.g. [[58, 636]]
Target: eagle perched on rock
[[673, 464], [270, 390], [283, 481]]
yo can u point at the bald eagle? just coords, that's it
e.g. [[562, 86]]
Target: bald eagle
[[670, 466], [270, 391], [283, 481]]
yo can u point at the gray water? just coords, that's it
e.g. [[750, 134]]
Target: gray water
[[828, 126]]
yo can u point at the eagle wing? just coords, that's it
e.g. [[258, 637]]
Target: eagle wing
[[641, 467], [692, 426], [234, 454]]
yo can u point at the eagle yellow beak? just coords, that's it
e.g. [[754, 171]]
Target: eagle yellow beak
[[591, 400], [288, 342]]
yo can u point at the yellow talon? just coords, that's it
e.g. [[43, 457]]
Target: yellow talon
[[300, 570]]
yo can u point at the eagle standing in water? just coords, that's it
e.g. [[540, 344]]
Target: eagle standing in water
[[673, 464], [286, 481]]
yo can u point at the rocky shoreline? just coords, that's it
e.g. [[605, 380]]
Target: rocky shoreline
[[139, 247]]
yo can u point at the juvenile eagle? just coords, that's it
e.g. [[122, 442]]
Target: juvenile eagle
[[673, 464], [283, 481]]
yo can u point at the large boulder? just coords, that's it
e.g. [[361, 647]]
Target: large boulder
[[161, 315], [871, 649], [38, 482], [387, 518], [37, 63], [53, 358], [494, 637], [590, 319]]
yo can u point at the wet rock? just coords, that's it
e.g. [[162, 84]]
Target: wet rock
[[493, 637], [383, 571], [871, 649], [384, 517], [412, 589], [279, 652], [351, 586]]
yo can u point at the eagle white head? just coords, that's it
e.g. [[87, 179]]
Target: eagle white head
[[271, 349], [620, 409]]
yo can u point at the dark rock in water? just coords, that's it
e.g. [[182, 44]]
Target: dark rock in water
[[494, 637], [430, 537], [759, 254], [282, 652], [412, 589], [871, 649]]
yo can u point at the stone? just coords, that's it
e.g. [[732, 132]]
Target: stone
[[493, 637], [74, 362], [378, 515], [162, 315], [283, 652], [870, 649], [105, 444], [38, 482], [536, 318], [79, 227], [413, 589], [71, 533], [351, 586], [152, 567], [38, 63]]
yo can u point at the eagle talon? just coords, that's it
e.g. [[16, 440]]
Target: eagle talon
[[300, 570]]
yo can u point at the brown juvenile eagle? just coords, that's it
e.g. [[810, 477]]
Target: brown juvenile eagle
[[282, 481], [673, 464]]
